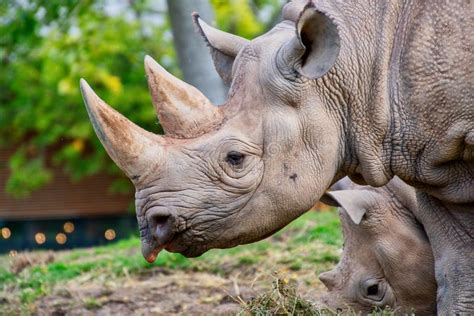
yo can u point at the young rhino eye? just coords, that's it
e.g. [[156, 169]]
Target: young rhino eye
[[235, 158], [373, 290]]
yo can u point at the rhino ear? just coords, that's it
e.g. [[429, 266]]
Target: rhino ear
[[355, 202], [314, 50], [224, 47]]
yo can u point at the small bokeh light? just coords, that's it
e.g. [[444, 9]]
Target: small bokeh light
[[13, 253], [40, 238], [68, 227], [110, 234], [6, 233], [61, 238]]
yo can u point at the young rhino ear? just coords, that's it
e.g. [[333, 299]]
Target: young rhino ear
[[314, 50], [355, 202], [224, 47]]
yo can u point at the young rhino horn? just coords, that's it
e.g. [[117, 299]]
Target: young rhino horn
[[329, 279], [183, 111], [132, 148]]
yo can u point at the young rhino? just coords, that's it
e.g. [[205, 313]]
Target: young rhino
[[387, 259]]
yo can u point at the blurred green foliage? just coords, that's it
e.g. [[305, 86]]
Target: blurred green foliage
[[47, 46], [246, 18]]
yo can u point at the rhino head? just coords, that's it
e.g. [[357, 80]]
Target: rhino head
[[233, 174], [387, 259]]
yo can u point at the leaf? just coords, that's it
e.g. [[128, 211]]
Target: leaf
[[33, 175]]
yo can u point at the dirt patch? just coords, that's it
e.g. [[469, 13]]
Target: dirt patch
[[160, 292]]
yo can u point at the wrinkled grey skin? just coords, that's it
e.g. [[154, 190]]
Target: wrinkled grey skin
[[369, 89], [387, 259]]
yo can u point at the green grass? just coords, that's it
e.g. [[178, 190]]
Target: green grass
[[310, 242], [92, 303]]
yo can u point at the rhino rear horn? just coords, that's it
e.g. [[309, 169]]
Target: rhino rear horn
[[183, 111], [224, 47], [132, 148]]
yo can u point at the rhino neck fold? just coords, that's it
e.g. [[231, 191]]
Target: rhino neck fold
[[368, 114], [398, 116]]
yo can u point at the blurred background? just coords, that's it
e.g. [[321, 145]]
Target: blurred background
[[58, 187], [60, 190]]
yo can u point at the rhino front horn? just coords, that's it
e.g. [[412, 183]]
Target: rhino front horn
[[132, 148], [183, 111]]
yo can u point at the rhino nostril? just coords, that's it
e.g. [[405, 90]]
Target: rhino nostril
[[163, 228]]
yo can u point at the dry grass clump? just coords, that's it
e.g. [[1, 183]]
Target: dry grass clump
[[29, 259], [282, 299]]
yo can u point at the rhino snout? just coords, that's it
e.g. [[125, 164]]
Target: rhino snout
[[161, 230]]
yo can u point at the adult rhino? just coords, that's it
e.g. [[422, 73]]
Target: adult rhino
[[369, 89]]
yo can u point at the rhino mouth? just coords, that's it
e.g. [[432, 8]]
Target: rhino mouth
[[177, 244], [150, 252], [187, 251]]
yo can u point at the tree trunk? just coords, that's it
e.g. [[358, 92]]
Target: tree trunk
[[193, 55]]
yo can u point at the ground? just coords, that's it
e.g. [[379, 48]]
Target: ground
[[115, 279]]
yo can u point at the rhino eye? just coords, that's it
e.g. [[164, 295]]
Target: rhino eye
[[235, 158], [373, 290]]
